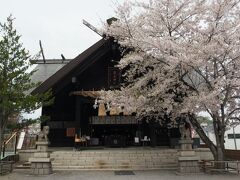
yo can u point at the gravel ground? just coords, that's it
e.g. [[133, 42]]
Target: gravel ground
[[110, 175]]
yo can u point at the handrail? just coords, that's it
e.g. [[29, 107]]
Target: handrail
[[9, 139], [14, 134]]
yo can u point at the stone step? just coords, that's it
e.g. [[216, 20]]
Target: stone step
[[109, 157], [115, 159], [135, 153], [112, 162], [107, 167], [136, 161], [112, 154], [24, 165]]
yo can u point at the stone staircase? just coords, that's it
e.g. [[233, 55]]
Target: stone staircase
[[115, 159]]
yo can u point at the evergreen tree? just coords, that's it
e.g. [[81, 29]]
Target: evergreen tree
[[15, 78]]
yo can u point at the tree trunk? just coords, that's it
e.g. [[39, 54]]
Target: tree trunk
[[1, 141], [217, 150], [202, 134], [220, 158], [219, 135], [2, 129]]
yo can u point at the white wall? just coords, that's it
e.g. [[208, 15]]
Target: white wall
[[229, 143]]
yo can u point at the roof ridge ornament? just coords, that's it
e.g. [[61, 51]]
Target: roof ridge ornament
[[92, 28]]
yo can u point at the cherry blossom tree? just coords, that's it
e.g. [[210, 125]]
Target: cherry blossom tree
[[181, 57]]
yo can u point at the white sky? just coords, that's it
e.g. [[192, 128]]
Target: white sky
[[57, 23]]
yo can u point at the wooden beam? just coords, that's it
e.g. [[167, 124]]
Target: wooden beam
[[41, 49]]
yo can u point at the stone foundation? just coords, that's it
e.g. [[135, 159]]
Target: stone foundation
[[188, 165], [187, 161], [41, 161]]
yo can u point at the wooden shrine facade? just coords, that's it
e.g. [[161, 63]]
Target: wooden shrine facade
[[75, 86]]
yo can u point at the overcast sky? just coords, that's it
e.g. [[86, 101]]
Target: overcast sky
[[57, 23]]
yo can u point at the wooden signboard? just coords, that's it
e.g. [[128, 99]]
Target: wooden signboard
[[114, 77], [70, 132], [21, 139]]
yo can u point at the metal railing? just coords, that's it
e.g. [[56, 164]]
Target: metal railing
[[9, 145], [210, 166]]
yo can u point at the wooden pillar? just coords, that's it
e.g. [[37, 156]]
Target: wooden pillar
[[152, 128], [78, 105]]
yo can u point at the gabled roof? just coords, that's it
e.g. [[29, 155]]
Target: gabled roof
[[62, 70]]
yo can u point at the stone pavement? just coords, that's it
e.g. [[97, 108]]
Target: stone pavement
[[110, 175]]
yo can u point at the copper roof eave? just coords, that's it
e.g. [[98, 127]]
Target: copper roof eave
[[55, 78]]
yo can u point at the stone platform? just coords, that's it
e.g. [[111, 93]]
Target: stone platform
[[41, 163], [116, 159], [41, 168], [188, 162]]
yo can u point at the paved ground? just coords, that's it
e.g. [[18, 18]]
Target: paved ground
[[110, 175]]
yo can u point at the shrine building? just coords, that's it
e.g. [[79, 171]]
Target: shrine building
[[75, 85]]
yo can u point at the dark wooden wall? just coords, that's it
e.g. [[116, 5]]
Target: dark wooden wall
[[75, 109]]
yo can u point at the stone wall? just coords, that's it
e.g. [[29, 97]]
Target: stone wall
[[204, 154]]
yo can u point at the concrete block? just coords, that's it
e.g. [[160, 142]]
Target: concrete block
[[187, 153], [114, 159], [188, 158], [197, 169], [46, 165], [183, 163], [192, 169], [187, 169], [42, 148], [47, 171], [42, 143], [41, 155], [33, 165], [35, 172], [182, 169], [40, 171], [204, 154], [39, 165], [189, 163], [40, 160], [195, 163]]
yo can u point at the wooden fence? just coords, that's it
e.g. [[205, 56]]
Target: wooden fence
[[232, 154], [229, 166]]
